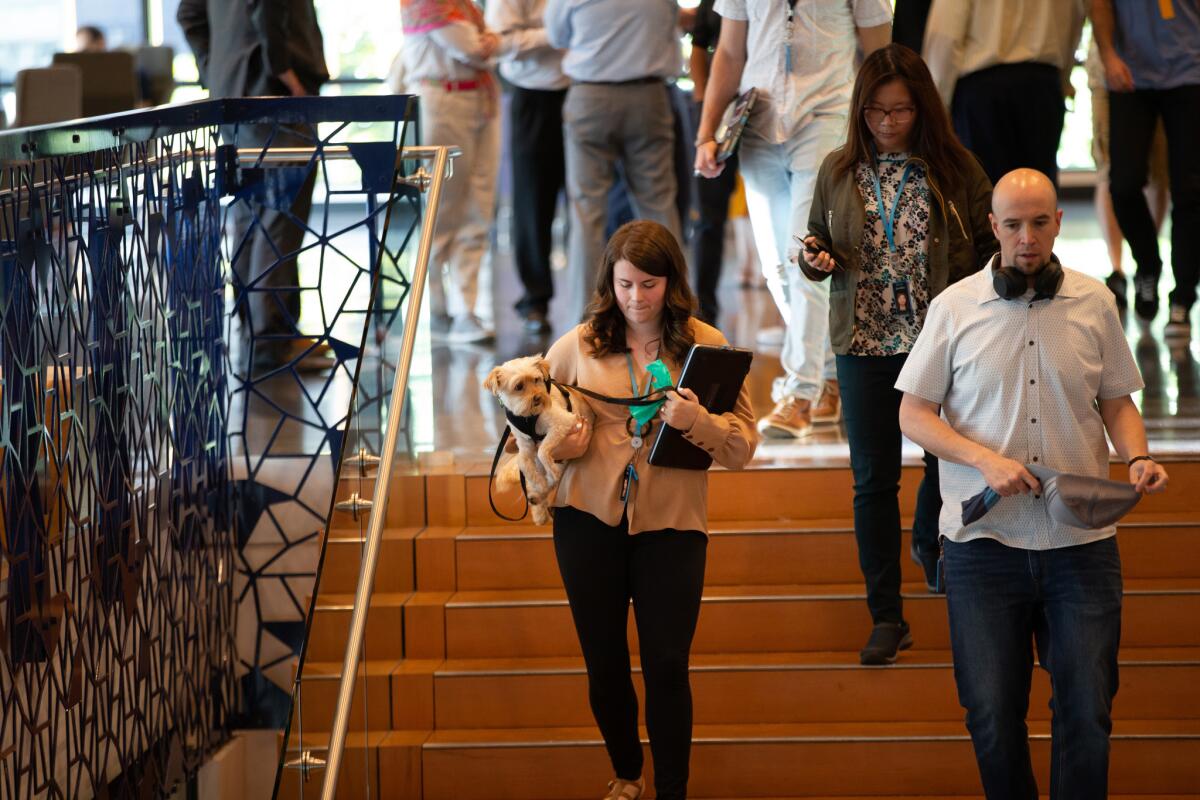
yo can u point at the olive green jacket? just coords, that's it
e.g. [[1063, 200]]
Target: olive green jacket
[[960, 239]]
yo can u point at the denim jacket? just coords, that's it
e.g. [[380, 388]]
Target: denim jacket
[[960, 238]]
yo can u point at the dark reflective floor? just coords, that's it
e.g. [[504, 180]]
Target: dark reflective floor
[[454, 423]]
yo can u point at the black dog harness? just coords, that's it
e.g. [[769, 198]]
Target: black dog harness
[[528, 425]]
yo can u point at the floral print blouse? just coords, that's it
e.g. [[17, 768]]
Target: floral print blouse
[[878, 329]]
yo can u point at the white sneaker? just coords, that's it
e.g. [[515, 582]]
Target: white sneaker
[[770, 337], [467, 329]]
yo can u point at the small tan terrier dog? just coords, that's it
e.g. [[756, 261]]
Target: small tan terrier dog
[[539, 419]]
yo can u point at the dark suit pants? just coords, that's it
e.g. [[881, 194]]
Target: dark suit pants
[[538, 177]]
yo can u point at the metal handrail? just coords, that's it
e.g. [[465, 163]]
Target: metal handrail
[[246, 155], [366, 576]]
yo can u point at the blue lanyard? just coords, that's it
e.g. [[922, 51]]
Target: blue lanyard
[[889, 219], [632, 377]]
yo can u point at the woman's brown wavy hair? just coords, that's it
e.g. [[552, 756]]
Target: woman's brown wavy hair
[[933, 141], [653, 249]]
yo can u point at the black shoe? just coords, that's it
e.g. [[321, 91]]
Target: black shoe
[[1119, 286], [535, 321], [928, 562], [887, 640], [1145, 297]]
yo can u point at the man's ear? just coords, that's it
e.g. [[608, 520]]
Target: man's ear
[[492, 381]]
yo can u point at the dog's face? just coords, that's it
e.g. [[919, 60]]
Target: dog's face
[[521, 385]]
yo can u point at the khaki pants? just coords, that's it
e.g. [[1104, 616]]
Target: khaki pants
[[604, 124], [460, 240]]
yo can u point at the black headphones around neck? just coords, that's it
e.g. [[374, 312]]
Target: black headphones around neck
[[1011, 284]]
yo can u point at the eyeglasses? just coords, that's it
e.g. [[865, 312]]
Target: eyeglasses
[[900, 115]]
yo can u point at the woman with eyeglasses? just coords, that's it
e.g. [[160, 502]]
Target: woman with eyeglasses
[[900, 212]]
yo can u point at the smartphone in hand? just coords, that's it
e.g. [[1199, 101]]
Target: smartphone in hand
[[816, 247]]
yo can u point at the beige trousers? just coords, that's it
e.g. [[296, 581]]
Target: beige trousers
[[468, 120]]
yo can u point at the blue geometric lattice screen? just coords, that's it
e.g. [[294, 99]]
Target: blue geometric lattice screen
[[321, 243], [154, 553]]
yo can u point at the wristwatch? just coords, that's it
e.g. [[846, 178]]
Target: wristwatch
[[1136, 459]]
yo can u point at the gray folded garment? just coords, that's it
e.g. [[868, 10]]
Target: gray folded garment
[[1084, 502]]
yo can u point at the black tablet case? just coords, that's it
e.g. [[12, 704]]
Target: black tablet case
[[716, 375]]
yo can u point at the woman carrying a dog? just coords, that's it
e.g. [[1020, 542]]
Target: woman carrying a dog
[[900, 213], [624, 529]]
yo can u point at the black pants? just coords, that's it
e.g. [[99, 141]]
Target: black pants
[[1133, 116], [1011, 116], [539, 175], [871, 408], [708, 236], [663, 572]]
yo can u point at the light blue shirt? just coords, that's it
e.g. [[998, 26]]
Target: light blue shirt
[[616, 40], [1161, 53]]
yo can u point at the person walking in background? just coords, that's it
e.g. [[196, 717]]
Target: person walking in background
[[908, 27], [1156, 189], [1021, 368], [1004, 67], [447, 46], [276, 50], [534, 68], [803, 80], [900, 213], [620, 54], [1151, 56], [712, 194]]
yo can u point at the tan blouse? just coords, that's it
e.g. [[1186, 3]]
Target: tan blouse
[[662, 497]]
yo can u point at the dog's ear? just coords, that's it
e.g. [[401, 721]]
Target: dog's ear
[[544, 366], [492, 381]]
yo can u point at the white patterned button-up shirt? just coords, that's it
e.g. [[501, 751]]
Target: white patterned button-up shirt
[[811, 74], [1022, 378]]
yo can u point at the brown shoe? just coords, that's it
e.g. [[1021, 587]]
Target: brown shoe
[[790, 419], [828, 410], [625, 790]]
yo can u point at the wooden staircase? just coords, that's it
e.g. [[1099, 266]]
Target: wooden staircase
[[474, 689]]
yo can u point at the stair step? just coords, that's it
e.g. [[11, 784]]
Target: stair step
[[793, 618], [788, 688], [1160, 756], [775, 552], [825, 493], [399, 695], [384, 638], [395, 571], [405, 505], [319, 686], [374, 764]]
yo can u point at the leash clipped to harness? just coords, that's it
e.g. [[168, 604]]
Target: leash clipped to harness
[[528, 426]]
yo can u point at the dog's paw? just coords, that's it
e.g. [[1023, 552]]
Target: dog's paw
[[541, 515]]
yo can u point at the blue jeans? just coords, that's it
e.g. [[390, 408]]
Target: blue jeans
[[780, 182], [1068, 601]]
